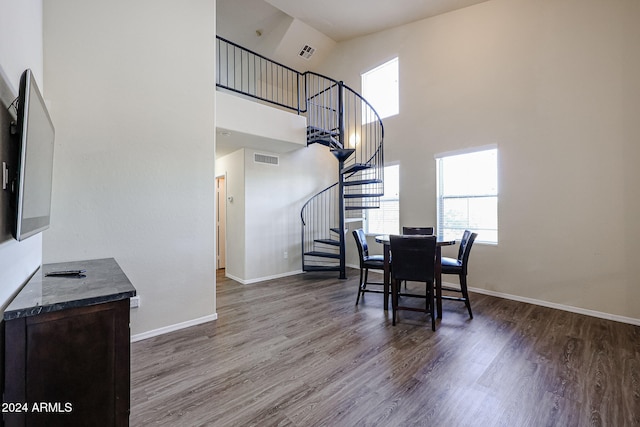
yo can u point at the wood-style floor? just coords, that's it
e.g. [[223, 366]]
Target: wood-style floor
[[298, 352]]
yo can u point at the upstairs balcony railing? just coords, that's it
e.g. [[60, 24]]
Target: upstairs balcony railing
[[251, 74]]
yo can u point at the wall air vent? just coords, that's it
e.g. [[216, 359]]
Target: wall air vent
[[306, 52], [266, 159]]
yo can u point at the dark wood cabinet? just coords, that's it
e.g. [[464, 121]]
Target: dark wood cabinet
[[70, 367], [68, 364]]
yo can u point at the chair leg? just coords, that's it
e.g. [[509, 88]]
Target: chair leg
[[430, 302], [359, 287], [394, 301], [465, 293]]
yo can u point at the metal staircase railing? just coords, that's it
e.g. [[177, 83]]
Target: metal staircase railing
[[338, 117], [359, 148], [251, 74]]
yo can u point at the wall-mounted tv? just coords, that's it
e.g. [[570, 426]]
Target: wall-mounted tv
[[35, 133]]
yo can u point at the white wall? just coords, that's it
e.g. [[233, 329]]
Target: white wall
[[21, 41], [274, 197], [263, 221], [261, 126], [20, 48], [132, 86], [555, 85]]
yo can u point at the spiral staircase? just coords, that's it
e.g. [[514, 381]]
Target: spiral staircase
[[338, 118]]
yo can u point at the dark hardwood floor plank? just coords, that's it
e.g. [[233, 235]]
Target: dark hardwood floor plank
[[297, 352]]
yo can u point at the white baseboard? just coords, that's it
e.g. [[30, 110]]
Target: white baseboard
[[175, 327], [578, 310], [262, 279]]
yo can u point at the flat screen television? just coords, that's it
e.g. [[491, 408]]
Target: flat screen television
[[35, 134]]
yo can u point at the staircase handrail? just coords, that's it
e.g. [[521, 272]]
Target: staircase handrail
[[256, 54], [294, 72], [372, 109], [335, 83], [311, 199]]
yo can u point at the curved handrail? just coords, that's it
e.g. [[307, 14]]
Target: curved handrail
[[370, 106], [311, 198]]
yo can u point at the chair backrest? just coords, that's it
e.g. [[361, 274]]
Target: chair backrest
[[421, 231], [413, 257], [465, 248], [361, 243]]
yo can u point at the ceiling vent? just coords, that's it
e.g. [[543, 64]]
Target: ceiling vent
[[266, 159], [306, 52]]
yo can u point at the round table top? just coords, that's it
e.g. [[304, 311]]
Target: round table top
[[384, 239]]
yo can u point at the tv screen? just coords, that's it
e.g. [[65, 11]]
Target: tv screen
[[35, 162]]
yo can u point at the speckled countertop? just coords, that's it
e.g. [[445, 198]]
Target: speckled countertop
[[104, 281]]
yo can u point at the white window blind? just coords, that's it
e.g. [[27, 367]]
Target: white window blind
[[386, 218], [468, 194]]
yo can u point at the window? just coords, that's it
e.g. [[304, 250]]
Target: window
[[386, 218], [380, 89], [468, 194]]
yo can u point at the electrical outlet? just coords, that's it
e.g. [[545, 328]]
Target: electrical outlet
[[286, 254], [134, 302]]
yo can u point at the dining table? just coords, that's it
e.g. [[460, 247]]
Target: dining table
[[440, 242]]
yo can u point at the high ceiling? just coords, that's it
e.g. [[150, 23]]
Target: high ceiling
[[338, 19], [278, 29]]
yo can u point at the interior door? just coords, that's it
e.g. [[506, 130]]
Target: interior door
[[221, 221]]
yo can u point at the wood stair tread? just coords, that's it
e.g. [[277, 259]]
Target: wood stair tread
[[356, 167], [357, 208], [321, 268], [328, 242], [326, 137], [323, 254], [362, 195], [363, 182], [315, 129]]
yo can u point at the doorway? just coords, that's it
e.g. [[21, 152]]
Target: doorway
[[221, 222]]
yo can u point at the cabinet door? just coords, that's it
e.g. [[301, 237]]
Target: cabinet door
[[75, 365]]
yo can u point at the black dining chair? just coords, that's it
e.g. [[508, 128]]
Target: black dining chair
[[458, 266], [417, 231], [414, 260], [367, 262]]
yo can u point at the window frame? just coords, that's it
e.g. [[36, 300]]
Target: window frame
[[363, 86], [440, 197], [384, 199]]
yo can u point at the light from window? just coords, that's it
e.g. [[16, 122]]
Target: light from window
[[380, 89], [468, 195], [386, 218]]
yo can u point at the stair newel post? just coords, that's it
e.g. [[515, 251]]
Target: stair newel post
[[298, 91], [343, 243], [341, 117], [342, 154]]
